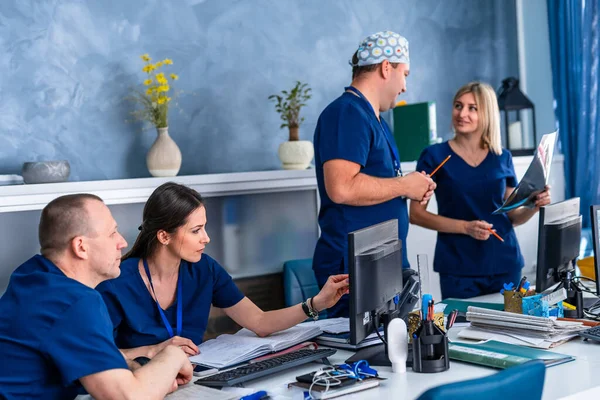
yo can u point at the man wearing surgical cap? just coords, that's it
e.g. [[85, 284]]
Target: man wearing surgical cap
[[357, 162]]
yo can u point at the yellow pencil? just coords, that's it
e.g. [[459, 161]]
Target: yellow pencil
[[440, 166]]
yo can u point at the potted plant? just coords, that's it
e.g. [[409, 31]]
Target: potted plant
[[164, 157], [295, 153]]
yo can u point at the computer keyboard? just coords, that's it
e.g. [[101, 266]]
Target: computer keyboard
[[267, 367], [591, 333]]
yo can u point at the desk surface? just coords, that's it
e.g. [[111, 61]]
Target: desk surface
[[583, 374]]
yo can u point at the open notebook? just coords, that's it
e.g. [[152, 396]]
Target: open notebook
[[227, 350]]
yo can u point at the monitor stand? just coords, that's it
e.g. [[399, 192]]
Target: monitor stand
[[574, 294], [377, 356]]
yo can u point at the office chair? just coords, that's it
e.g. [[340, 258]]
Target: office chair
[[522, 381], [299, 282]]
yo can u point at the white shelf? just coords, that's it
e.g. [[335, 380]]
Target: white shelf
[[127, 191], [16, 198]]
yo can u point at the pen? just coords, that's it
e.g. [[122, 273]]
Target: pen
[[451, 319], [523, 280], [440, 166], [255, 396], [495, 234], [430, 310]]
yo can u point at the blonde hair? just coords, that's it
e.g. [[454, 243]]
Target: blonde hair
[[489, 114]]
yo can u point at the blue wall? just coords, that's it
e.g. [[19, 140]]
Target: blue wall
[[66, 66]]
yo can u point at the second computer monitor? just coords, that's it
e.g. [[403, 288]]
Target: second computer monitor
[[595, 211], [558, 242], [375, 269]]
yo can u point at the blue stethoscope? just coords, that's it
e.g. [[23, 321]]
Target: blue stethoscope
[[179, 302], [386, 133]]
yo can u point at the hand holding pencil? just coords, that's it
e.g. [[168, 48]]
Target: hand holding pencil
[[480, 230]]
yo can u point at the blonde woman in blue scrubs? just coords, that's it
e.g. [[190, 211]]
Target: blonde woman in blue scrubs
[[476, 180], [168, 284]]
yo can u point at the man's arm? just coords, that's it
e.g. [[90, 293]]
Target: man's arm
[[345, 184], [154, 380]]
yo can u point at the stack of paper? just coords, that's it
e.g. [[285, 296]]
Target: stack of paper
[[331, 325], [228, 350], [520, 329], [336, 334]]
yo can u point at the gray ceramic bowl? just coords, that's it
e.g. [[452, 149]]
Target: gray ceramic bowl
[[46, 171]]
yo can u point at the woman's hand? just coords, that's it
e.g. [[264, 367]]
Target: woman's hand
[[543, 199], [479, 230], [188, 347], [335, 287]]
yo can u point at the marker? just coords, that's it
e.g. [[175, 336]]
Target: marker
[[425, 305], [255, 396]]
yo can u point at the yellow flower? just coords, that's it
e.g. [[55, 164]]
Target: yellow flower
[[162, 100], [168, 61], [148, 68], [149, 91], [148, 82], [145, 57], [159, 64], [161, 79], [174, 77], [162, 88]]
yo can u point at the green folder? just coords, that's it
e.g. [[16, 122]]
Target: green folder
[[503, 355], [462, 305]]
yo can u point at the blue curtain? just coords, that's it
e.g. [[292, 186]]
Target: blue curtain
[[574, 48]]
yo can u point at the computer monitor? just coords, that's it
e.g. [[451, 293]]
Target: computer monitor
[[559, 236], [376, 285], [595, 211]]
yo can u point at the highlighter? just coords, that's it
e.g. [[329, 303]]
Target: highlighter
[[425, 305]]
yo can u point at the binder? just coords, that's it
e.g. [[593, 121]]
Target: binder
[[503, 355], [414, 127]]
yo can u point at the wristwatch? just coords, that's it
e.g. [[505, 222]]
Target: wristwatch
[[142, 360], [309, 311]]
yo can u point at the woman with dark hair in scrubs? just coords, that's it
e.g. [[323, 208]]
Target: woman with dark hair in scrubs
[[474, 182], [167, 284]]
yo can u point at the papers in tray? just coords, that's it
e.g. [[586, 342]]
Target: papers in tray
[[332, 325], [517, 325], [472, 333], [227, 350], [342, 341]]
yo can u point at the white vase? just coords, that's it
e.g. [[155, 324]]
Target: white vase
[[296, 154], [164, 157]]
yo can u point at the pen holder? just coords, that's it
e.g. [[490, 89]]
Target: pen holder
[[430, 349], [513, 301], [414, 321]]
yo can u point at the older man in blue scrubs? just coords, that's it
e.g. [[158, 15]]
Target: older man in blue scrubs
[[55, 332], [357, 162]]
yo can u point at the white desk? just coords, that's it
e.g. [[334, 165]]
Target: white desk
[[583, 374]]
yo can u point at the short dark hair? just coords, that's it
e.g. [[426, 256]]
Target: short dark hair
[[358, 71], [63, 219], [167, 208]]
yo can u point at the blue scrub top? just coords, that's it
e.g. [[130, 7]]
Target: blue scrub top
[[349, 130], [473, 193], [136, 318], [53, 331]]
